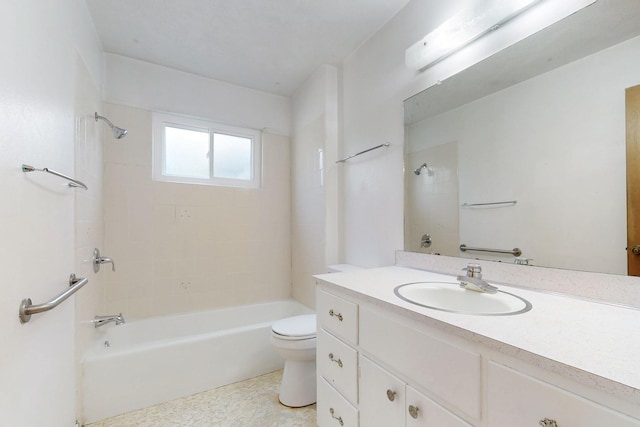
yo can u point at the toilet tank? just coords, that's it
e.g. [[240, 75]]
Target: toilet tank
[[341, 268]]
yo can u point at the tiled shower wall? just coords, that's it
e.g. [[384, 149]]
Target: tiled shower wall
[[180, 247]]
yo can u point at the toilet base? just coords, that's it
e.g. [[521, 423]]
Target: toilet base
[[298, 387]]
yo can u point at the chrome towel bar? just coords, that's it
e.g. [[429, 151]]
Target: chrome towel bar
[[27, 308], [72, 182], [509, 202], [362, 152], [514, 251]]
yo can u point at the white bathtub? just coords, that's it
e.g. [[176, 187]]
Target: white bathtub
[[154, 360]]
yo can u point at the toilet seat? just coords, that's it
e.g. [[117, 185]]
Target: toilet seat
[[296, 328]]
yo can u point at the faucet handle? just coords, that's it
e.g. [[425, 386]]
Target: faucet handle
[[97, 260], [473, 270]]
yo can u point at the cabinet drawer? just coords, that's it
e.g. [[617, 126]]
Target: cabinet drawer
[[422, 411], [452, 373], [516, 399], [338, 364], [382, 399], [338, 316], [333, 409]]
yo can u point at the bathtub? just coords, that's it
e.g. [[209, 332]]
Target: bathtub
[[149, 361]]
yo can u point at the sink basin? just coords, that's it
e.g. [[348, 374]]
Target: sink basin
[[449, 296]]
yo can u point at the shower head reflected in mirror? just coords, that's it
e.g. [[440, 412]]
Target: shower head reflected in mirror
[[422, 166], [118, 132]]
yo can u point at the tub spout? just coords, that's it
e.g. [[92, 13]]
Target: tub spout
[[98, 321]]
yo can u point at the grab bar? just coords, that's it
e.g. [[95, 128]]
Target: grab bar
[[27, 308], [508, 202], [72, 182], [362, 152], [514, 251]]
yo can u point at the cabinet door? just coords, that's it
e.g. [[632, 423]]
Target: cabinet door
[[515, 399], [338, 316], [452, 373], [422, 412], [337, 362], [381, 396], [333, 409]]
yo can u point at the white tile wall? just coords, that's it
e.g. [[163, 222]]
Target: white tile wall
[[181, 247]]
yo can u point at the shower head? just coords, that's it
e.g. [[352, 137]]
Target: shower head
[[422, 166], [118, 133]]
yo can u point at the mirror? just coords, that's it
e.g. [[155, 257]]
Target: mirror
[[526, 149]]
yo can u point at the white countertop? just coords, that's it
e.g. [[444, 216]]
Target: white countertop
[[597, 344]]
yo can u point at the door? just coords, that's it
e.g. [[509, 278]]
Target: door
[[633, 180]]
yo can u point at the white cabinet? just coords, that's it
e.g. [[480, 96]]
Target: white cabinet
[[386, 401], [337, 362], [382, 396], [516, 399], [333, 409], [424, 412], [381, 367], [452, 373]]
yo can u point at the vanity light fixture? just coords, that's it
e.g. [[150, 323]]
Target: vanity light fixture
[[478, 20]]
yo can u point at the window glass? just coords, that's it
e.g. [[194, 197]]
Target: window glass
[[231, 156], [186, 153]]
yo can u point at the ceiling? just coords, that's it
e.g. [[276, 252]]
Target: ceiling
[[269, 45]]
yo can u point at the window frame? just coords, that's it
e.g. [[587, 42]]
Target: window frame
[[161, 120]]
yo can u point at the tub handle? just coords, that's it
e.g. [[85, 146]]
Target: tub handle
[[335, 314], [338, 361], [339, 419]]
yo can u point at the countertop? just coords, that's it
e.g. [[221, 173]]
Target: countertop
[[597, 344]]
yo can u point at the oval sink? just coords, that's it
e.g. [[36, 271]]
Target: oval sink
[[449, 296]]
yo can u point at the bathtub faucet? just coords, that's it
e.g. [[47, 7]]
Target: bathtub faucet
[[98, 321]]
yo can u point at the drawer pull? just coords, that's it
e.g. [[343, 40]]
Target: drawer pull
[[413, 411], [338, 361], [548, 423], [339, 419], [391, 395], [334, 314]]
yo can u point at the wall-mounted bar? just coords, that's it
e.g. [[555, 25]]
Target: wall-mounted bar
[[362, 152], [514, 251], [509, 202], [27, 308], [72, 182]]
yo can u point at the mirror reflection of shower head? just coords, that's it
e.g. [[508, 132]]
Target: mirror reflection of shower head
[[118, 133], [422, 166]]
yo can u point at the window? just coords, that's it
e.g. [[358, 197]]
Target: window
[[200, 152]]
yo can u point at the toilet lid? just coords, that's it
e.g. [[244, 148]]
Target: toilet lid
[[297, 326]]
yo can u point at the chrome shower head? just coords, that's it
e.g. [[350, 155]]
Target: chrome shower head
[[118, 132], [422, 166]]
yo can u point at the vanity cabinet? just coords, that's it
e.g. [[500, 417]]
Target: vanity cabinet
[[337, 361], [380, 366], [517, 399], [385, 401]]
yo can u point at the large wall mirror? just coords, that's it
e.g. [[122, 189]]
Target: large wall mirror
[[526, 149]]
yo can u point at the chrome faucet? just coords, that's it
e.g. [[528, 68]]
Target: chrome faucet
[[472, 281], [98, 260], [98, 321]]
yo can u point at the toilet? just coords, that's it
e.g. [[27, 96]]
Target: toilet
[[294, 338]]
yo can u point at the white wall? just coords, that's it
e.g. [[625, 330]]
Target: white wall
[[40, 43], [152, 87], [314, 180], [556, 144], [180, 247], [375, 82]]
